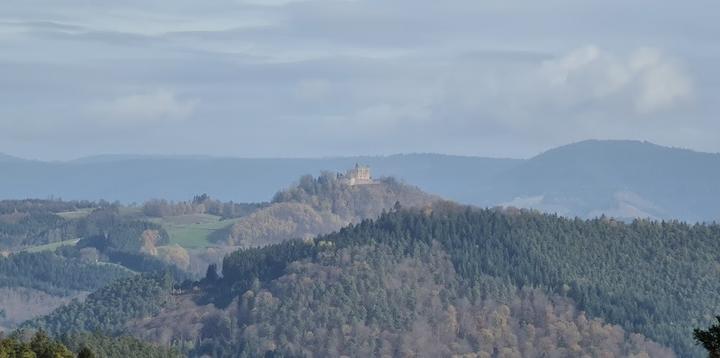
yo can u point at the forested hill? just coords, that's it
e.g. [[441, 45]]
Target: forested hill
[[437, 281], [655, 278], [623, 179], [52, 252], [320, 205]]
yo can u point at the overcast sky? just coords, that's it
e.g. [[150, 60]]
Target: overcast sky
[[345, 77]]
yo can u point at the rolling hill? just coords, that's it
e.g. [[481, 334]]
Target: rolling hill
[[618, 178], [435, 281], [136, 179], [622, 179]]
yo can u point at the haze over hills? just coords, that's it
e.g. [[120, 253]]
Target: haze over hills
[[293, 178], [138, 178], [617, 178], [399, 272], [4, 158]]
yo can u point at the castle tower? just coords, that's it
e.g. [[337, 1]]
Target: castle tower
[[360, 175]]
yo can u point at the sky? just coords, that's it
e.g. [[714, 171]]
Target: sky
[[286, 78]]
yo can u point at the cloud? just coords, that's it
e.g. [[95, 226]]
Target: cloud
[[314, 77], [662, 83], [386, 115], [147, 108], [590, 76], [313, 90], [583, 90]]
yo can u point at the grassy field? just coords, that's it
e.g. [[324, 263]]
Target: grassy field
[[131, 210], [193, 231], [77, 214], [51, 246], [189, 231]]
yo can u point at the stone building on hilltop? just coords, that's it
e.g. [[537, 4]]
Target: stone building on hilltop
[[360, 175]]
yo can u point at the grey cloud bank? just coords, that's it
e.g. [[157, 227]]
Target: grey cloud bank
[[318, 78]]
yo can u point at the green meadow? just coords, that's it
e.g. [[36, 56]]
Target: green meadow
[[51, 246], [193, 231]]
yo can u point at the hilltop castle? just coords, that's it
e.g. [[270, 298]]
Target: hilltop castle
[[360, 175]]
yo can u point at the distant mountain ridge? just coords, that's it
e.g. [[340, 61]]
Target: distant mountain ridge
[[136, 179], [617, 178], [10, 158]]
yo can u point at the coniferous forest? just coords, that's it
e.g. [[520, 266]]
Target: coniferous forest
[[432, 278], [653, 278], [436, 281]]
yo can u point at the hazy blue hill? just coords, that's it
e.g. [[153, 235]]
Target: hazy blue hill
[[4, 158], [460, 178], [590, 178], [619, 178], [131, 178], [106, 158]]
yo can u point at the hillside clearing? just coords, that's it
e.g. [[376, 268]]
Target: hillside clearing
[[193, 231]]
